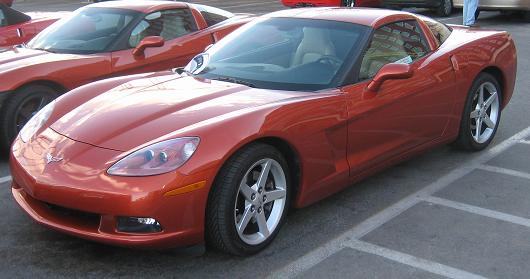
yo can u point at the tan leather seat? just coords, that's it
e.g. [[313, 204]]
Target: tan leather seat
[[315, 44]]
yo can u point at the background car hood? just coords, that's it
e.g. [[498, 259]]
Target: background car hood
[[19, 57], [124, 118]]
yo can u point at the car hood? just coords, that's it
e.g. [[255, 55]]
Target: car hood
[[134, 114], [37, 16], [15, 58]]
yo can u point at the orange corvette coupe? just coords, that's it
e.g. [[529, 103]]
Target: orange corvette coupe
[[100, 41], [286, 110]]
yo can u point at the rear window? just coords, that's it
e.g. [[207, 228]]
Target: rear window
[[213, 15]]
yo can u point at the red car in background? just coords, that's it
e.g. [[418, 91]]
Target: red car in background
[[17, 27], [9, 3], [331, 3], [100, 41]]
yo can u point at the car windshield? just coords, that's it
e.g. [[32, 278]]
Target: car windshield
[[90, 30], [286, 54]]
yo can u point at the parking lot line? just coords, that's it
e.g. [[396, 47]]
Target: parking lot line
[[319, 254], [525, 141], [480, 211], [505, 171], [5, 179], [406, 259]]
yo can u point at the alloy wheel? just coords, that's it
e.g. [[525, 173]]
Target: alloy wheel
[[260, 201], [484, 117]]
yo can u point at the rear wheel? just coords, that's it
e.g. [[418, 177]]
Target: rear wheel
[[19, 108], [248, 201], [445, 8], [482, 114]]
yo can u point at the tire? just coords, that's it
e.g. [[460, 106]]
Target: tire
[[19, 108], [228, 204], [445, 9], [348, 3], [475, 113]]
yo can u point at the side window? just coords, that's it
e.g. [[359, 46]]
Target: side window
[[399, 42], [168, 24], [3, 20]]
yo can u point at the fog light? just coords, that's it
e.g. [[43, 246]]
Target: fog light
[[138, 225]]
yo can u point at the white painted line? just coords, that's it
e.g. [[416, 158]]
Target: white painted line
[[480, 211], [423, 264], [505, 171], [5, 179], [310, 259], [525, 141]]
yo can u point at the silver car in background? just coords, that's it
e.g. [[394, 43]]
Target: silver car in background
[[500, 5]]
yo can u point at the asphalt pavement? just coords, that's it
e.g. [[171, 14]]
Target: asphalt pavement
[[444, 214]]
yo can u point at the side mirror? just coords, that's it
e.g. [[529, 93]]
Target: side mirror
[[151, 41], [390, 71]]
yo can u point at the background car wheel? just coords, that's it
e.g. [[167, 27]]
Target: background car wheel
[[348, 3], [19, 108], [526, 16], [482, 114], [248, 201], [445, 8]]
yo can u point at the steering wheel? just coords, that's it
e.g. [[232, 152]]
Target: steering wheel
[[330, 60]]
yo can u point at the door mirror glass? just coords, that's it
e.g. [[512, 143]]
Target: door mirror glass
[[151, 41], [390, 71]]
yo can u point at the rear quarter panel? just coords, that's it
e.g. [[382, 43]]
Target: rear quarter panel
[[475, 51]]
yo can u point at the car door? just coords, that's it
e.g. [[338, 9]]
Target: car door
[[182, 41], [403, 113]]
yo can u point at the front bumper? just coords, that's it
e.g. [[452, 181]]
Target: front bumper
[[77, 197]]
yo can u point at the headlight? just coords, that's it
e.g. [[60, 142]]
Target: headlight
[[158, 158], [36, 122]]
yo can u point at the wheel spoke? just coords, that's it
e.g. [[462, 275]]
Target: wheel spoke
[[246, 191], [488, 122], [262, 224], [481, 95], [275, 195], [478, 128], [490, 100], [266, 168], [245, 219], [475, 113]]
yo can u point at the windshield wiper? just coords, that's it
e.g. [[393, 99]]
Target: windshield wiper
[[235, 80], [43, 49]]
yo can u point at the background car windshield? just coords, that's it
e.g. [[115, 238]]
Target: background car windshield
[[88, 31], [287, 54]]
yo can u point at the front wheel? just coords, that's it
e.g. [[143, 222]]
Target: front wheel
[[482, 114], [19, 108], [445, 8], [248, 201]]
